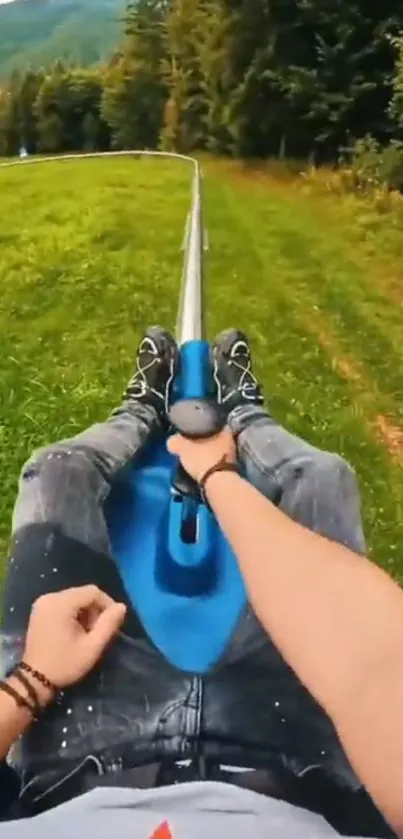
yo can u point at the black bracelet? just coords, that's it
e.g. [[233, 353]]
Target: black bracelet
[[223, 465], [39, 676], [20, 701], [29, 689]]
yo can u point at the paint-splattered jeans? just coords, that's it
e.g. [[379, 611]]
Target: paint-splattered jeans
[[135, 706], [68, 482]]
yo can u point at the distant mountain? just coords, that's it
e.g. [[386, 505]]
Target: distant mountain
[[36, 32]]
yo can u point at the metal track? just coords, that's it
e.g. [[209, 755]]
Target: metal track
[[190, 320]]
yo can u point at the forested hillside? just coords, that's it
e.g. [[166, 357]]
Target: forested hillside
[[40, 31], [296, 78]]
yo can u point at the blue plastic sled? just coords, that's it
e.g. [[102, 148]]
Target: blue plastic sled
[[177, 567]]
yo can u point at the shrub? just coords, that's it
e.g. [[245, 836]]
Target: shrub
[[372, 166]]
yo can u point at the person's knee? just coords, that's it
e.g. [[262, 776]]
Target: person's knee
[[59, 484], [334, 468], [329, 494], [53, 458], [315, 466], [50, 466], [325, 478]]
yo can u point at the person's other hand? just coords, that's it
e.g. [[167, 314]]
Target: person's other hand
[[68, 632], [198, 456]]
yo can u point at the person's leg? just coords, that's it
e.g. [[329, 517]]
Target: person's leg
[[316, 488], [60, 537]]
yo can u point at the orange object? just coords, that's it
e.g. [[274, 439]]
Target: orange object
[[162, 832]]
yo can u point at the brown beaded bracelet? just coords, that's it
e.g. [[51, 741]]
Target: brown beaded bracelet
[[29, 689], [39, 676], [20, 701]]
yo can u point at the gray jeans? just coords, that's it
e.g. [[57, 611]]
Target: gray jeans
[[67, 482]]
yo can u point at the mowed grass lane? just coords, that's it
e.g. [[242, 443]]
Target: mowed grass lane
[[90, 254]]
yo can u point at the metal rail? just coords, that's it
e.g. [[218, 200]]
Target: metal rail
[[190, 319]]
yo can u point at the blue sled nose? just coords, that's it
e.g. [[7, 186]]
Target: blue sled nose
[[177, 567]]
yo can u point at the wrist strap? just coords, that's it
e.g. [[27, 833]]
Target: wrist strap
[[223, 465]]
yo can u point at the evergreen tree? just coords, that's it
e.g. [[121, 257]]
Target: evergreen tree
[[134, 92]]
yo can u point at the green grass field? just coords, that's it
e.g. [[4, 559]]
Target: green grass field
[[90, 254]]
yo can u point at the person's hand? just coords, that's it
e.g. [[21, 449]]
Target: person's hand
[[68, 632], [198, 456]]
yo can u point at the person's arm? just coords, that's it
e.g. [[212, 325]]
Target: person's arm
[[335, 617], [15, 720], [68, 632]]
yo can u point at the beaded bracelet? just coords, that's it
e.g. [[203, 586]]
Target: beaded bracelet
[[29, 689], [20, 701], [39, 676]]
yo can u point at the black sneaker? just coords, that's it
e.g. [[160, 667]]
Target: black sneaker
[[233, 372], [157, 366]]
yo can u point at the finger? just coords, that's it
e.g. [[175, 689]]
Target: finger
[[105, 628], [76, 599], [173, 444], [87, 617]]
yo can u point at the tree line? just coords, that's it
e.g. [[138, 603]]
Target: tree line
[[250, 78]]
